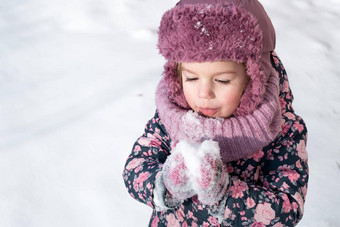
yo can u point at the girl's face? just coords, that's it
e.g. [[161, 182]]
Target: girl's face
[[214, 89]]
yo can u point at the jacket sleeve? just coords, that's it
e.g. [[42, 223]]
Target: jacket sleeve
[[277, 198], [145, 161]]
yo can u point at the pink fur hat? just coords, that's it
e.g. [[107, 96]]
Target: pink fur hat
[[217, 30]]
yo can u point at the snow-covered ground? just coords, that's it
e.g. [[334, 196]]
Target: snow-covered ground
[[77, 82]]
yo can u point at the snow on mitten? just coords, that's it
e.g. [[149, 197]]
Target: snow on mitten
[[211, 179], [175, 173]]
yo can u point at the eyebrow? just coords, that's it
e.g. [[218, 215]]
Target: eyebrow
[[215, 74]]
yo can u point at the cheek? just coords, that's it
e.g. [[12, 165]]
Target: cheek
[[231, 98], [189, 94]]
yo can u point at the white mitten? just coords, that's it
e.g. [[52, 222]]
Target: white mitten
[[209, 172]]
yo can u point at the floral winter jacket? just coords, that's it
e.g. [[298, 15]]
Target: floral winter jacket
[[266, 189]]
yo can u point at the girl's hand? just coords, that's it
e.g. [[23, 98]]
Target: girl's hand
[[211, 179], [196, 169], [176, 177]]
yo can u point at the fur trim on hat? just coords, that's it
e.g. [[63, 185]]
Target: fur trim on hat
[[201, 33]]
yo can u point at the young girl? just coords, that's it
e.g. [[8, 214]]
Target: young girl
[[225, 147]]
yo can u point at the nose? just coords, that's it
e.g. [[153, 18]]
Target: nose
[[206, 91]]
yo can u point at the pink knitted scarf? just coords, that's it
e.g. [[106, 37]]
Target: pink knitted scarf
[[238, 136]]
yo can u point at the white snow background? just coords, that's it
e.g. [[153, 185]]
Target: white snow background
[[77, 83]]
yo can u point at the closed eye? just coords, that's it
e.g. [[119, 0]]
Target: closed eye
[[191, 79], [223, 81]]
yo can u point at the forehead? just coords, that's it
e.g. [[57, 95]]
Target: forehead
[[218, 66]]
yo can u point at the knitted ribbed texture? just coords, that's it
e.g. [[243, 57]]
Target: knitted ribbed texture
[[238, 137]]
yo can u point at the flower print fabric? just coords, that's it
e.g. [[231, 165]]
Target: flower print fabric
[[266, 189]]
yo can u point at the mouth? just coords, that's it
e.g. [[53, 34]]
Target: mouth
[[209, 112]]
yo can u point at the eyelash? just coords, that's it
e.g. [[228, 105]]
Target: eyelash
[[219, 81], [223, 81], [190, 79]]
